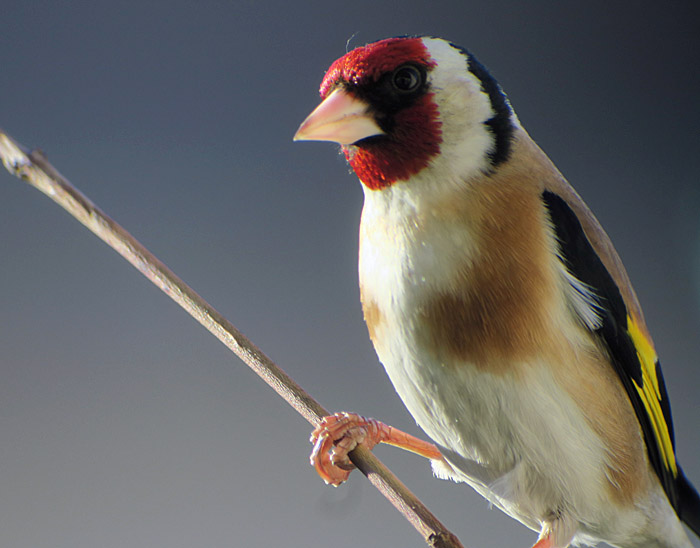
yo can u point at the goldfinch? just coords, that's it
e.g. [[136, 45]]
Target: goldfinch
[[498, 307]]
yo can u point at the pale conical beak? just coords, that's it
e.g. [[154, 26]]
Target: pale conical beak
[[340, 118]]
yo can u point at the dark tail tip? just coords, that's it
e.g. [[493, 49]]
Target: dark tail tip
[[688, 503]]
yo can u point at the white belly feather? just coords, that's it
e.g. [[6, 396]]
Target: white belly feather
[[518, 440]]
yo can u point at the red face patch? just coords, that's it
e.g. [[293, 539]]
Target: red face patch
[[415, 141], [415, 134]]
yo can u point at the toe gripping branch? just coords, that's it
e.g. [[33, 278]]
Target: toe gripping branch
[[338, 434]]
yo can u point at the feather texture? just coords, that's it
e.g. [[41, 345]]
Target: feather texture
[[500, 309]]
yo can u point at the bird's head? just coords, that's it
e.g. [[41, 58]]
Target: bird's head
[[410, 105]]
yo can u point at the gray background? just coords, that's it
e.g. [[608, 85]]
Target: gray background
[[122, 422]]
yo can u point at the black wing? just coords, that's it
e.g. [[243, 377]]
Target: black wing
[[632, 355]]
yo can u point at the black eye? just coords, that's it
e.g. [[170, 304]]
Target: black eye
[[407, 79]]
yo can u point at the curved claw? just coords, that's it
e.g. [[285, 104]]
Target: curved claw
[[334, 437], [321, 460]]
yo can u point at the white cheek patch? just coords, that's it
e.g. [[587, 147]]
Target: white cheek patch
[[463, 110]]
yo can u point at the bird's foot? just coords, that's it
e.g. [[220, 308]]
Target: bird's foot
[[334, 437], [338, 434]]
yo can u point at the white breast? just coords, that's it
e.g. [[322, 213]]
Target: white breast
[[519, 440]]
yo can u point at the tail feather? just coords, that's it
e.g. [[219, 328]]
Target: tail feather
[[688, 503]]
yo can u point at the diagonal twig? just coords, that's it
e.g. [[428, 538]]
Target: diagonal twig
[[34, 168]]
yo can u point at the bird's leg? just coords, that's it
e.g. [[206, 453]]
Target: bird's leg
[[557, 532], [338, 434], [543, 542]]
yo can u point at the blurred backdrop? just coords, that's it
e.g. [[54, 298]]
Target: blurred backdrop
[[122, 422]]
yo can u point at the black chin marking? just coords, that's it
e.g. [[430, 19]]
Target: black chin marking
[[501, 123]]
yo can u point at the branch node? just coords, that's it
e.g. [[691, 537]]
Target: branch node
[[443, 539]]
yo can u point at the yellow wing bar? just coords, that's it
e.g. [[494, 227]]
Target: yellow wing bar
[[650, 394]]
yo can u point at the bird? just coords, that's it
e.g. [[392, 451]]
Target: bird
[[498, 307]]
